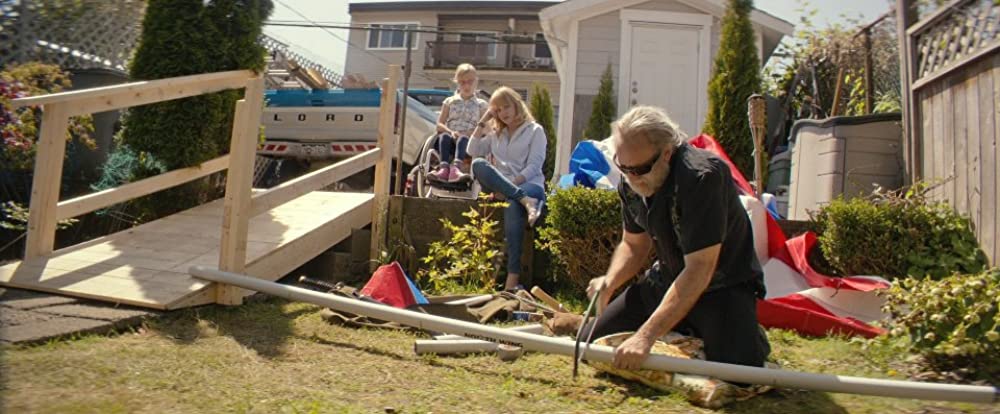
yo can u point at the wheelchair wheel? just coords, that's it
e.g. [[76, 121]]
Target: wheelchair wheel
[[429, 159]]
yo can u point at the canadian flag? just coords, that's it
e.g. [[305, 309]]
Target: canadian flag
[[798, 297]]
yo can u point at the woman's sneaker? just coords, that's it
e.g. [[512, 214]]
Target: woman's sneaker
[[533, 207]]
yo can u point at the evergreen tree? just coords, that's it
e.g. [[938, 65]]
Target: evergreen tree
[[604, 111], [736, 76], [541, 110], [187, 37]]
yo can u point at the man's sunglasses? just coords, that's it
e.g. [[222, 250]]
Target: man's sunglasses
[[638, 170]]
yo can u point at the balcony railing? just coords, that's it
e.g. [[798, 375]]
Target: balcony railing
[[501, 55]]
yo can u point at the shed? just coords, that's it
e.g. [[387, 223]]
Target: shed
[[661, 49]]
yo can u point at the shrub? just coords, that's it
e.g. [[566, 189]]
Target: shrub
[[897, 234], [541, 110], [736, 76], [952, 322], [19, 127], [187, 37], [583, 226], [469, 261], [604, 109]]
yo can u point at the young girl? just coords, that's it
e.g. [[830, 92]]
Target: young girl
[[514, 145], [459, 114]]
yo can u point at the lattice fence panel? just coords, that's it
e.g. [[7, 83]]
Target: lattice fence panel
[[960, 32], [76, 34]]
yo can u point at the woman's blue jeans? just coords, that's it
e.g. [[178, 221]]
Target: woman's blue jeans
[[515, 217], [447, 144]]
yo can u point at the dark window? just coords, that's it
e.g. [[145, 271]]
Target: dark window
[[541, 47]]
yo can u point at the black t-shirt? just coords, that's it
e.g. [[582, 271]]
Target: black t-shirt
[[696, 207]]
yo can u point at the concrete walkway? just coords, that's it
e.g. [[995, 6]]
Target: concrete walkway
[[31, 317]]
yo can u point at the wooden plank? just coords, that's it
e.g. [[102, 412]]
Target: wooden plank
[[988, 167], [962, 141], [47, 180], [973, 165], [386, 141], [995, 217], [107, 98], [313, 181], [948, 142], [236, 211], [289, 256], [90, 202], [926, 135], [938, 114]]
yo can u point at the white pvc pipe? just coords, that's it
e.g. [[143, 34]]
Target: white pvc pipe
[[533, 328], [727, 372], [452, 346]]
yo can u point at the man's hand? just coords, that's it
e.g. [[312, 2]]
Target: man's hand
[[633, 352], [599, 284]]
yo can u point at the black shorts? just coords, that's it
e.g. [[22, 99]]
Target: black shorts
[[725, 320]]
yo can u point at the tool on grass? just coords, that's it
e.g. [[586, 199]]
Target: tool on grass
[[549, 300], [577, 357]]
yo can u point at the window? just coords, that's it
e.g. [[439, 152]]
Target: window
[[474, 45], [541, 47], [382, 35]]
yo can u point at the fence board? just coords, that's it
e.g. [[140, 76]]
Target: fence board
[[973, 164], [961, 140], [947, 142], [987, 148]]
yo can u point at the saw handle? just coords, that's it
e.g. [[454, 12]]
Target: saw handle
[[548, 300]]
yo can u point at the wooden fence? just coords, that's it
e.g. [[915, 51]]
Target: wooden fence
[[951, 77]]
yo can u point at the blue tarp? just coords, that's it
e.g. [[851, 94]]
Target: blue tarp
[[587, 167]]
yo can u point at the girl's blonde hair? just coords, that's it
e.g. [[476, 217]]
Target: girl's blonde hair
[[509, 96], [465, 69]]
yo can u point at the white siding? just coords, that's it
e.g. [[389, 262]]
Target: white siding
[[372, 62], [670, 6], [600, 41]]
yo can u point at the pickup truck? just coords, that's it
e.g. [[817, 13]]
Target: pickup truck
[[336, 123]]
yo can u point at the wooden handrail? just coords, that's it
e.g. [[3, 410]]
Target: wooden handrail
[[313, 181], [113, 97], [90, 202]]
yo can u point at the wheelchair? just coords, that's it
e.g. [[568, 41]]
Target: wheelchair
[[422, 184]]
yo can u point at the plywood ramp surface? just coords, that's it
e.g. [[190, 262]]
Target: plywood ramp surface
[[147, 265]]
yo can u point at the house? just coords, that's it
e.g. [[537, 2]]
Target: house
[[663, 50], [502, 39]]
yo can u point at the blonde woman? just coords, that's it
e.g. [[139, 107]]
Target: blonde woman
[[512, 147], [459, 114]]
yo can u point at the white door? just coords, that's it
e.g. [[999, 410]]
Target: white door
[[664, 71]]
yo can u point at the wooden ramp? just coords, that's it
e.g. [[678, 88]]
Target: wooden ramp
[[147, 265]]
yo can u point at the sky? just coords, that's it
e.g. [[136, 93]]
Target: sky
[[324, 46]]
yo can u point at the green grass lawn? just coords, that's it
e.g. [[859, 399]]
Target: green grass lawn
[[273, 356]]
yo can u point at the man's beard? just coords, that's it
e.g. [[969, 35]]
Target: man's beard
[[646, 185]]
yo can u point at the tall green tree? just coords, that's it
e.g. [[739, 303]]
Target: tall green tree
[[187, 37], [604, 110], [736, 76], [541, 110]]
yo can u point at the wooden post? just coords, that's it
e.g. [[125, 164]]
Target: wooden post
[[906, 15], [51, 149], [236, 211], [383, 167]]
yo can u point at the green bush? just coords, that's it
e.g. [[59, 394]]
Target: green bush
[[188, 37], [541, 110], [604, 110], [953, 322], [583, 226], [897, 234], [469, 260], [736, 76]]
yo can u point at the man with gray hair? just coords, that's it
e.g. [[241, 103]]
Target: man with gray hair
[[681, 201]]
